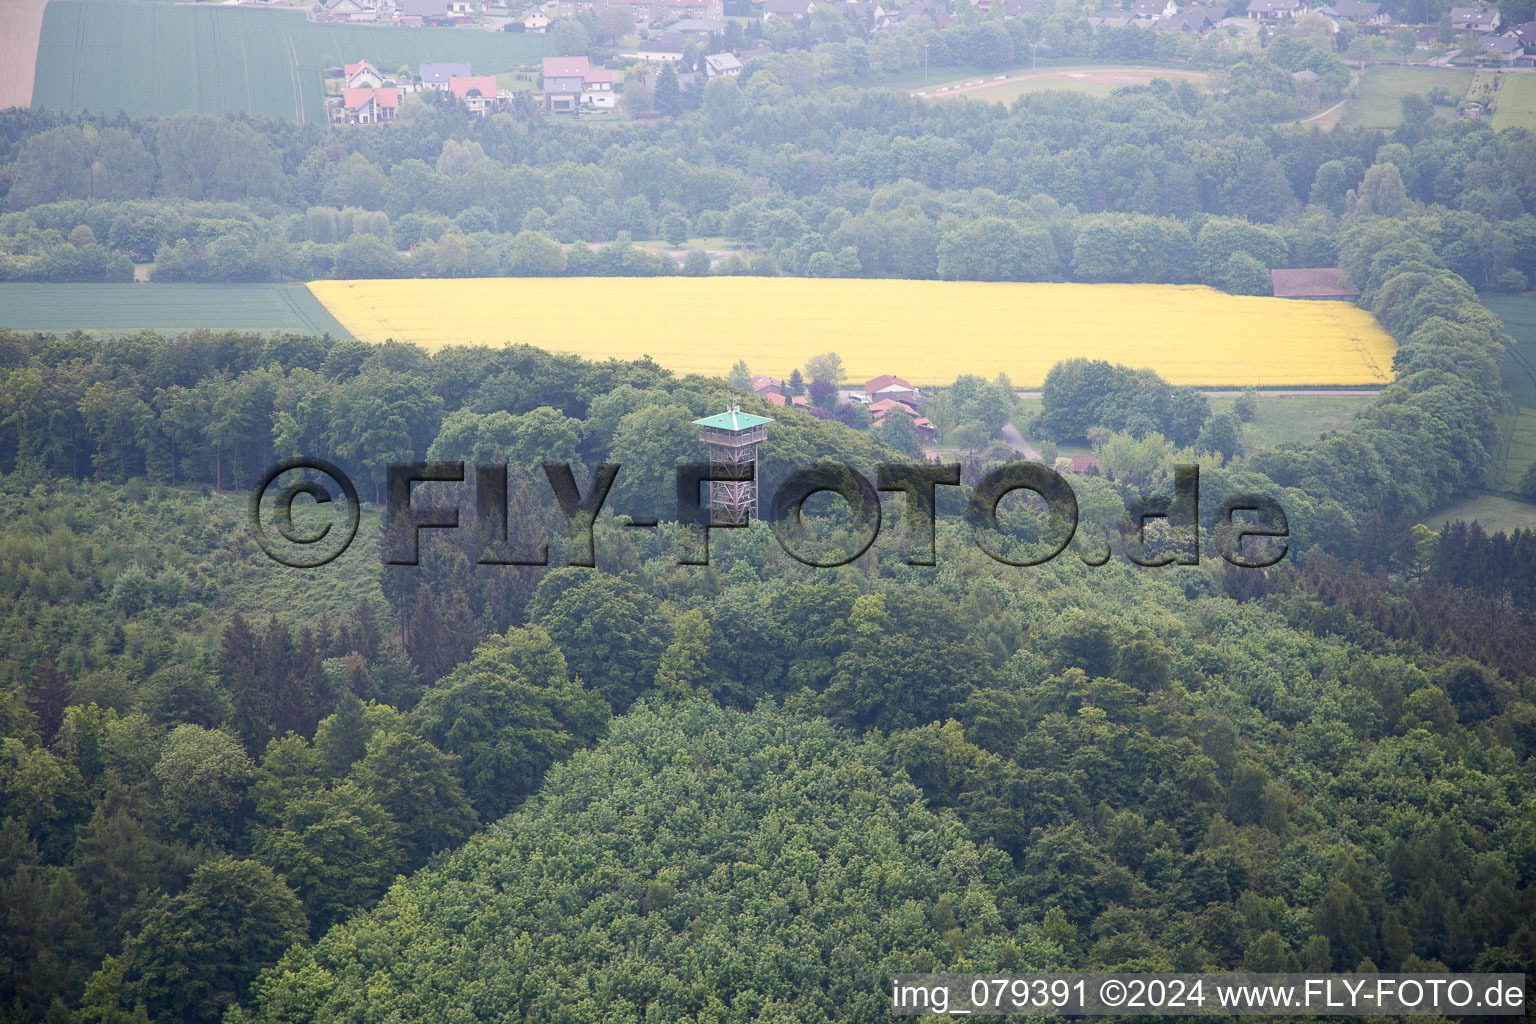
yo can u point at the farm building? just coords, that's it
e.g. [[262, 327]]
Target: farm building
[[536, 21], [891, 387], [1323, 283], [763, 386]]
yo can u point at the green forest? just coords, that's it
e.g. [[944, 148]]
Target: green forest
[[751, 790]]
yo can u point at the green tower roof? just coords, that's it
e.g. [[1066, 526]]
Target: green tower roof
[[733, 420]]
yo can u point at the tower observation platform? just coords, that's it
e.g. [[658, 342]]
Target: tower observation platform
[[732, 438]]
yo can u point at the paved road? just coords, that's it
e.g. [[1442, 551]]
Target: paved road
[[1013, 437]]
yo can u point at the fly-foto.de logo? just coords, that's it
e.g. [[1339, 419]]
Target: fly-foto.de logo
[[710, 496]]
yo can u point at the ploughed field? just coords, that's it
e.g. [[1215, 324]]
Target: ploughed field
[[928, 332]]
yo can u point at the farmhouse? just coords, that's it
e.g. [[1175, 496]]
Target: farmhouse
[[437, 76], [369, 106], [1271, 10], [1474, 19], [1314, 283], [477, 92], [762, 386], [927, 433], [887, 387], [776, 399], [536, 21]]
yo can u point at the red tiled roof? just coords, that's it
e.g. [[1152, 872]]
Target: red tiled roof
[[566, 67], [597, 75], [880, 407], [465, 84], [352, 69], [886, 380], [1331, 282], [356, 99]]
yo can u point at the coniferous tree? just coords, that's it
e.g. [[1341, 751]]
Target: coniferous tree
[[250, 705], [48, 696]]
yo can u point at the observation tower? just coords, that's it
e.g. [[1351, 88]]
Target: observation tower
[[733, 437]]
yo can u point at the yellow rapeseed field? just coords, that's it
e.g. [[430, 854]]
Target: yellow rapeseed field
[[929, 332]]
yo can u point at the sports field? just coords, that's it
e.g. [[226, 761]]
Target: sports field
[[1095, 81], [167, 308], [927, 331], [1378, 95], [155, 59], [1515, 104]]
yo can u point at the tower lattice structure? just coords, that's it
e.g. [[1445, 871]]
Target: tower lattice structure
[[733, 438]]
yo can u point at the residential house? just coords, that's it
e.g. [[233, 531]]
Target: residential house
[[1504, 47], [1273, 10], [425, 12], [798, 402], [352, 10], [571, 83], [563, 78], [926, 432], [665, 48], [361, 75], [1189, 22], [536, 21], [1154, 9], [1361, 13], [890, 387], [722, 65], [597, 89], [762, 385], [1306, 76], [438, 75], [789, 10], [369, 106], [1474, 19], [697, 28], [461, 8], [658, 12], [1526, 34], [476, 92], [1325, 283]]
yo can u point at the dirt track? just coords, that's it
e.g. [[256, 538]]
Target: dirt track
[[1092, 72], [21, 24]]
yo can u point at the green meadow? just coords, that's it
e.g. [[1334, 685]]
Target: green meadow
[[154, 59]]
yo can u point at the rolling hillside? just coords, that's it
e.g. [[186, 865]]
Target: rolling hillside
[[153, 59]]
